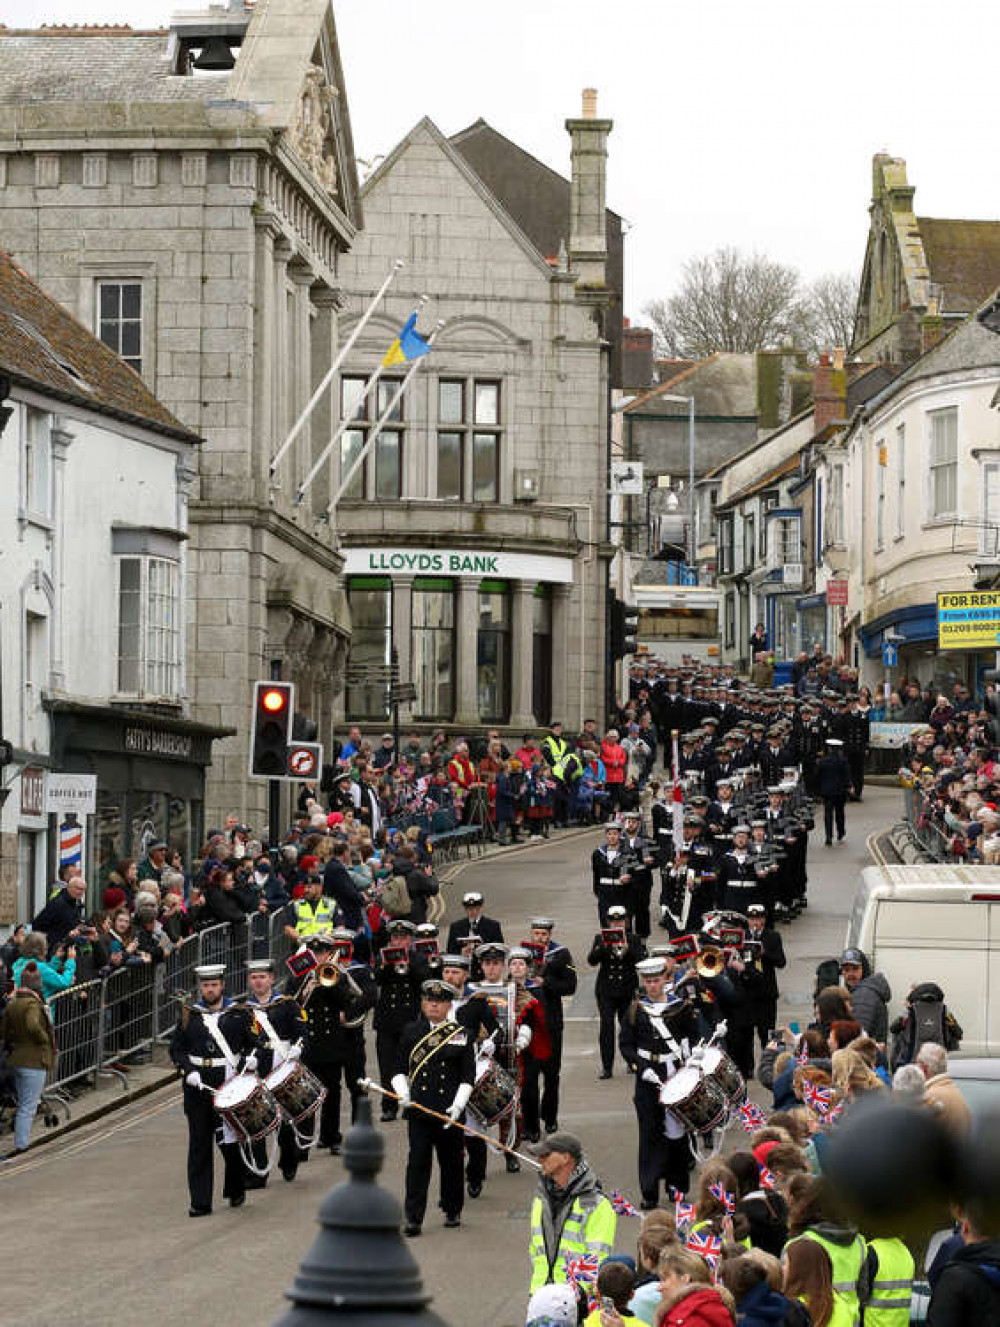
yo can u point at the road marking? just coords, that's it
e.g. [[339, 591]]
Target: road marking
[[875, 850], [47, 1154]]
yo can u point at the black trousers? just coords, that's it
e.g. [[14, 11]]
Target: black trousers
[[204, 1130], [660, 1157], [739, 1044], [428, 1138], [765, 1019], [641, 890], [288, 1154], [611, 1009], [386, 1052], [540, 1090], [475, 1159], [330, 1073], [856, 760], [833, 809]]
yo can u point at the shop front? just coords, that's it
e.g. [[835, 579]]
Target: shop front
[[150, 779], [482, 636]]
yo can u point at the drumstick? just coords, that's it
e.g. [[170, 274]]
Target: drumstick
[[370, 1086]]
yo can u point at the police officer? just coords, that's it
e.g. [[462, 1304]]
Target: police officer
[[335, 1041], [642, 853], [282, 1027], [614, 953], [555, 749], [655, 1041], [611, 870], [555, 980], [397, 982], [437, 1068], [314, 914], [212, 1040]]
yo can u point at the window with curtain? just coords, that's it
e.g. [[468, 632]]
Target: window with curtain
[[943, 462], [370, 599], [149, 636], [433, 648], [493, 652]]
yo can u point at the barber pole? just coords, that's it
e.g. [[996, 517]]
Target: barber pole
[[70, 844]]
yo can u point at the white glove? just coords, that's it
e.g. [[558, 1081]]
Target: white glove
[[401, 1087], [523, 1039], [649, 1076], [250, 1064], [457, 1108], [294, 1051], [488, 1048], [193, 1079]]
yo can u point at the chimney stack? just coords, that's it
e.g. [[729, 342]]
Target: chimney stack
[[829, 392], [588, 243]]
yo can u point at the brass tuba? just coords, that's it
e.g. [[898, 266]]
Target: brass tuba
[[710, 961]]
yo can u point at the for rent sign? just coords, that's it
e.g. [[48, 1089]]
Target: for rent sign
[[969, 620]]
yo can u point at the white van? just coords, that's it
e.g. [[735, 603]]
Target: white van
[[936, 923]]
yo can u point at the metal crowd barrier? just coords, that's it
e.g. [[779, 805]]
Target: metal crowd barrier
[[934, 838], [101, 1023]]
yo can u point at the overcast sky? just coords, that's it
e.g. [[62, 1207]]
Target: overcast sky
[[735, 123]]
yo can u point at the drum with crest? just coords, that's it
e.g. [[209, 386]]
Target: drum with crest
[[297, 1090], [494, 1096], [695, 1100], [248, 1106], [718, 1066]]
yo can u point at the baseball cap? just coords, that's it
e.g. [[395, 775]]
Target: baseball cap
[[853, 956], [559, 1141]]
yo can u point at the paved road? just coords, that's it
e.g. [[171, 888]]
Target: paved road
[[96, 1226]]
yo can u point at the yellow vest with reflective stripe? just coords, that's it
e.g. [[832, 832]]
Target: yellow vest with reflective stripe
[[588, 1229], [889, 1305], [845, 1267], [557, 749], [313, 918]]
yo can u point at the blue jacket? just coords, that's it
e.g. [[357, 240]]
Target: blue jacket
[[764, 1307], [56, 976]]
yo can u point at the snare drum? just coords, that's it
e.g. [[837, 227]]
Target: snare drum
[[248, 1107], [718, 1065], [297, 1090], [495, 1094], [696, 1101]]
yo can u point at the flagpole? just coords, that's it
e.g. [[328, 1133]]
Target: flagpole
[[373, 437], [678, 806], [343, 426], [344, 351]]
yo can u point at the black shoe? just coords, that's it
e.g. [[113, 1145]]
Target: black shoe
[[648, 1204], [828, 843], [450, 1222], [475, 1189], [605, 1073], [255, 1182], [411, 1230], [288, 1173], [335, 1149], [238, 1201], [553, 1127], [531, 1137], [387, 1116], [512, 1164], [199, 1211], [841, 837]]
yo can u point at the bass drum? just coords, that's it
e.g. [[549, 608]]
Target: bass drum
[[696, 1101], [248, 1107], [718, 1066], [296, 1089], [494, 1096]]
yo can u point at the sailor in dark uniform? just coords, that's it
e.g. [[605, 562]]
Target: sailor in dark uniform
[[473, 923], [213, 1040], [281, 1022], [833, 784], [738, 884], [475, 1013], [437, 1069], [554, 981], [614, 953], [611, 872], [397, 981], [655, 1041]]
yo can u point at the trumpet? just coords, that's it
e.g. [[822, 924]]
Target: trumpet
[[329, 975]]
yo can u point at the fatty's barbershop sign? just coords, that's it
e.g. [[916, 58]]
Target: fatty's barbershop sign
[[141, 741]]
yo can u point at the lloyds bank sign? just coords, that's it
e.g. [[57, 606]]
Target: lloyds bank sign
[[394, 562]]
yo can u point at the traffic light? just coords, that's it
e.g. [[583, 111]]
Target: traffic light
[[271, 727], [624, 629]]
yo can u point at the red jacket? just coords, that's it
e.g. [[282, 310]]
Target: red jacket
[[615, 759], [460, 771], [698, 1306]]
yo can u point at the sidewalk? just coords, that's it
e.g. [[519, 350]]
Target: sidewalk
[[110, 1093]]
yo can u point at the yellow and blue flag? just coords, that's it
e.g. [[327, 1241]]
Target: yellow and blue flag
[[408, 345]]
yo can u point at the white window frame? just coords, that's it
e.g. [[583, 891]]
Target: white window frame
[[468, 429], [785, 535], [835, 532], [989, 532], [726, 544], [880, 470], [945, 513], [900, 481], [120, 282], [158, 662]]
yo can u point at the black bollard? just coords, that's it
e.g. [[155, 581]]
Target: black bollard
[[360, 1272]]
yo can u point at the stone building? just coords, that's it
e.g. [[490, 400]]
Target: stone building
[[194, 216], [475, 537], [93, 527], [922, 276]]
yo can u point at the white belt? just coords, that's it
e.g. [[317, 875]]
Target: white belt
[[204, 1062], [607, 880]]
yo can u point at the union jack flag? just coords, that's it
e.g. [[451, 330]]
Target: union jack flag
[[683, 1214], [583, 1268], [802, 1054], [706, 1245], [621, 1205], [753, 1117], [767, 1179], [726, 1199], [817, 1098]]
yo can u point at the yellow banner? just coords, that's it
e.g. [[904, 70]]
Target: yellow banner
[[969, 620]]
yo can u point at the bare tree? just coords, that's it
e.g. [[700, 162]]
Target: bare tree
[[733, 301], [831, 303]]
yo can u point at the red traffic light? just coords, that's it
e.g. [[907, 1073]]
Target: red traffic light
[[274, 700]]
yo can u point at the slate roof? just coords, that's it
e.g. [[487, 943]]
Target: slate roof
[[963, 257], [723, 385], [95, 65], [44, 347]]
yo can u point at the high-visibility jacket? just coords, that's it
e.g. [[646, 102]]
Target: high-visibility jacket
[[889, 1305], [313, 918], [588, 1228], [846, 1262], [555, 749]]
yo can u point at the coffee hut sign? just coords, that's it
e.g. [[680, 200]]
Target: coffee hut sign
[[396, 562]]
